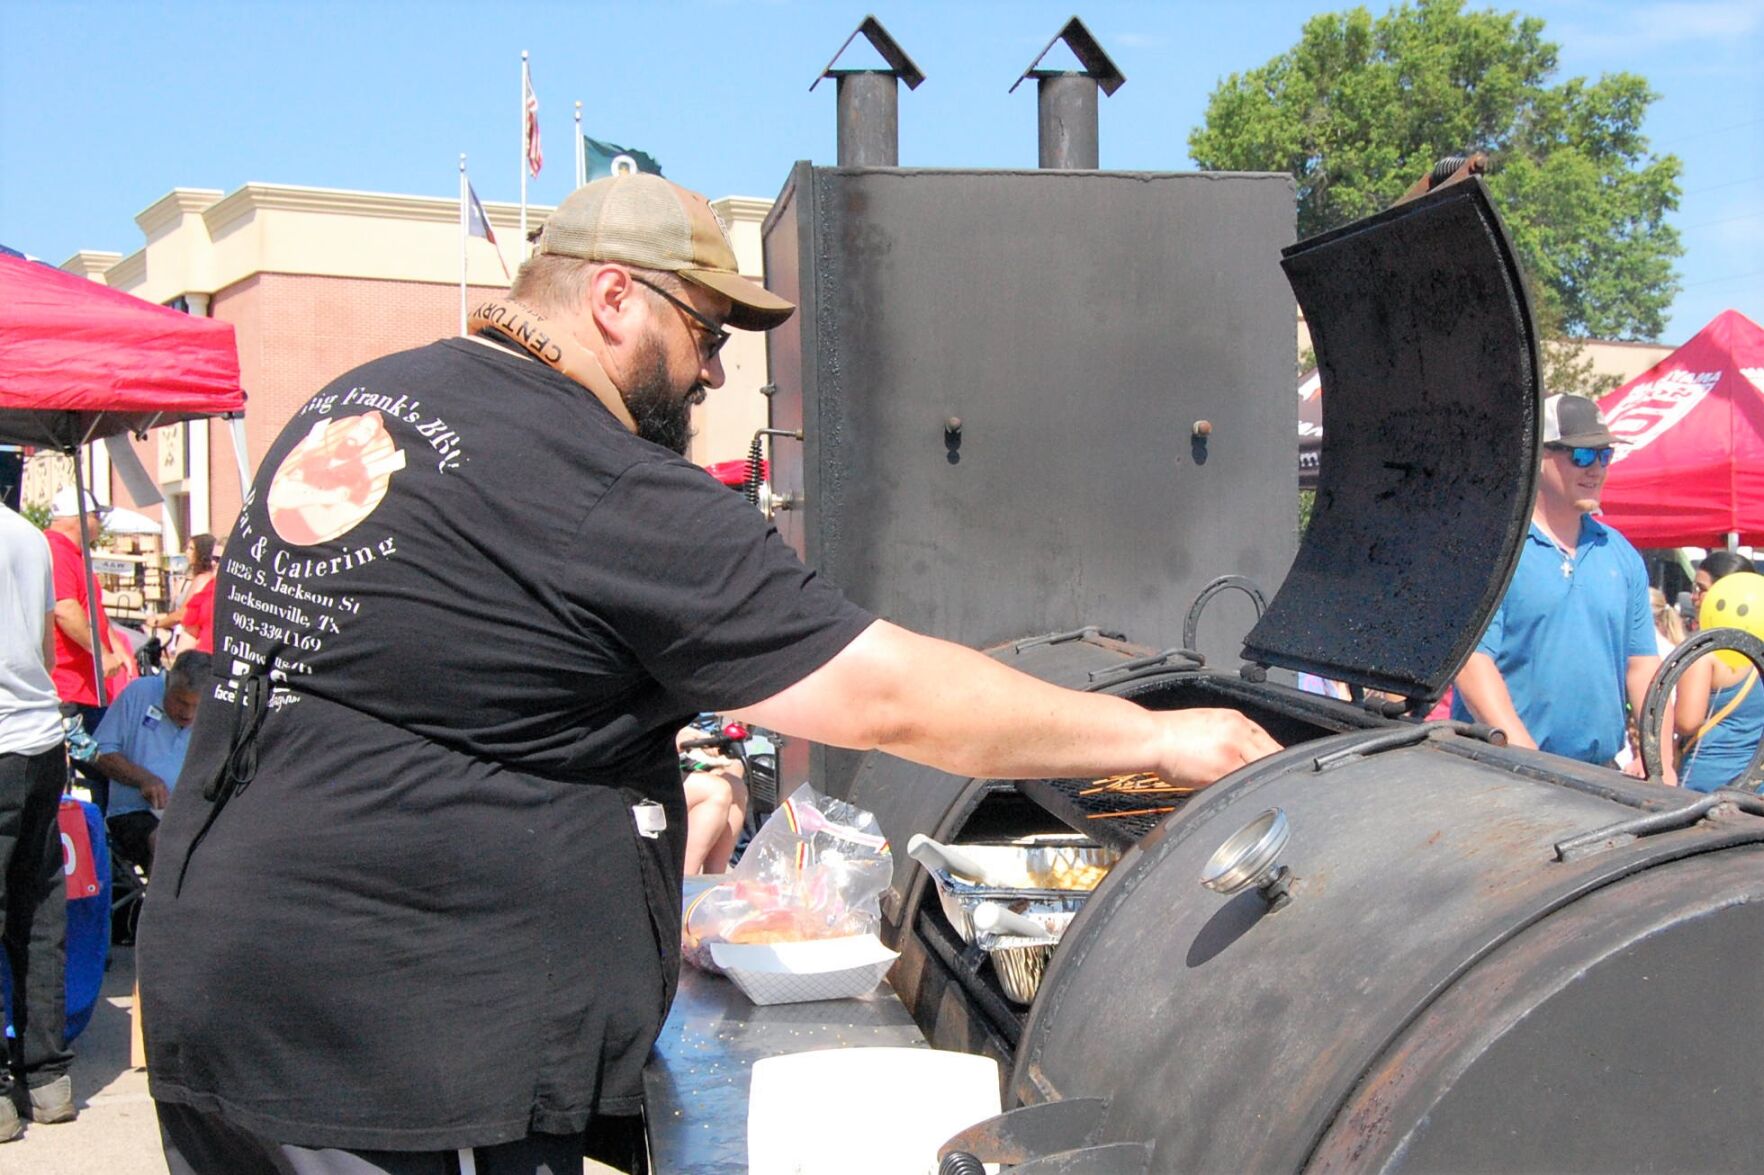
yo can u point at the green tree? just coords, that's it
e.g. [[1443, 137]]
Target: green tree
[[1362, 107]]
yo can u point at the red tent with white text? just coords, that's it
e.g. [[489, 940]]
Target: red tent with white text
[[1692, 472]]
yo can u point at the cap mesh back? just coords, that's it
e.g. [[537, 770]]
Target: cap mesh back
[[637, 220]]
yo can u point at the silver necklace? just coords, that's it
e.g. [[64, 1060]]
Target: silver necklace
[[1567, 554]]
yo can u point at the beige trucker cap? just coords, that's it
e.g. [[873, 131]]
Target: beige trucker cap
[[644, 220]]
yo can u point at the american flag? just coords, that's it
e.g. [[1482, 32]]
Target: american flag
[[530, 136]]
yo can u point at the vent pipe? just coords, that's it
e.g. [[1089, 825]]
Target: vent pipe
[[869, 100], [1068, 106]]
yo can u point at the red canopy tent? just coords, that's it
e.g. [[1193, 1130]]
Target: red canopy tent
[[80, 361], [1692, 472]]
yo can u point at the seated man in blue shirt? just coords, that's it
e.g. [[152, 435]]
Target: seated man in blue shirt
[[1573, 639], [141, 745]]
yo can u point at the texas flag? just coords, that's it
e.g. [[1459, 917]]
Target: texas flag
[[478, 224]]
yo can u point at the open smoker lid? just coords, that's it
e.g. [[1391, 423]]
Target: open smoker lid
[[1424, 340]]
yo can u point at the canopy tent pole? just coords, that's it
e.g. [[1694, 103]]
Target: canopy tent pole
[[82, 496], [1733, 540], [236, 430]]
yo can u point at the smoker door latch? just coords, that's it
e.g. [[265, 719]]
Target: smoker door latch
[[1717, 805], [1031, 1132]]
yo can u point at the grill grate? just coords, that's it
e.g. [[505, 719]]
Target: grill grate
[[1107, 815]]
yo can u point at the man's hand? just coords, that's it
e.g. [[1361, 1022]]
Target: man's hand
[[112, 662], [1201, 746], [154, 791]]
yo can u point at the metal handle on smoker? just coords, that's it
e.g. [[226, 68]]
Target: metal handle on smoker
[[1191, 626], [1622, 833], [1151, 661], [1651, 722]]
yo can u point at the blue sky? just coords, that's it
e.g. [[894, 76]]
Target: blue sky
[[104, 107]]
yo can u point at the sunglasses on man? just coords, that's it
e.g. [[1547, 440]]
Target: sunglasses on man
[[1583, 456], [714, 336]]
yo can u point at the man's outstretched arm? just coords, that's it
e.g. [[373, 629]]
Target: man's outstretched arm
[[950, 707]]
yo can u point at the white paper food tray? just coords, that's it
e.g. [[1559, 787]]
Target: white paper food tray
[[797, 972]]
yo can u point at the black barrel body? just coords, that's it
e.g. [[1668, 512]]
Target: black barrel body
[[1441, 993]]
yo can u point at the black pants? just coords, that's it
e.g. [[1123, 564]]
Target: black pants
[[200, 1143], [33, 911], [132, 835]]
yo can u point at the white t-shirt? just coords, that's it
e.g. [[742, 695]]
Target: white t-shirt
[[30, 715]]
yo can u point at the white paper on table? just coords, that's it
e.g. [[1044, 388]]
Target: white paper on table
[[864, 1111]]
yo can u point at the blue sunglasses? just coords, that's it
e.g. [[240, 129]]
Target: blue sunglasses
[[1582, 457]]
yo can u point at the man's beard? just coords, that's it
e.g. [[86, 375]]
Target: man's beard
[[663, 415]]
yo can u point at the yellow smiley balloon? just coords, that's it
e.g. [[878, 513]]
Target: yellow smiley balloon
[[1736, 601]]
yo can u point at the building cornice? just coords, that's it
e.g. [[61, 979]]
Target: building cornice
[[252, 198], [91, 263], [128, 274], [743, 207], [169, 208]]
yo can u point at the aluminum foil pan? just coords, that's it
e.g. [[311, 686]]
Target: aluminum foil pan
[[1047, 876], [1019, 964], [1063, 861]]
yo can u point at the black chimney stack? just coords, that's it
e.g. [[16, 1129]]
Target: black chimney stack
[[869, 100], [1068, 100]]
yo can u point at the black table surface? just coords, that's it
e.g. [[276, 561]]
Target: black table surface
[[698, 1076]]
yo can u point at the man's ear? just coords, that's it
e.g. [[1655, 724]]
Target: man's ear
[[613, 304]]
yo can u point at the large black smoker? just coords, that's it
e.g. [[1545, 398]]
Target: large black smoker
[[1041, 413]]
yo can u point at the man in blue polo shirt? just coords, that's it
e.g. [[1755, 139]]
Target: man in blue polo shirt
[[1573, 639], [141, 745]]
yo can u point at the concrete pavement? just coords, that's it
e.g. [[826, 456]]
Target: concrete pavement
[[116, 1132]]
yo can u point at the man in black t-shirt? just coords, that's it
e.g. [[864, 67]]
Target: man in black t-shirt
[[418, 887]]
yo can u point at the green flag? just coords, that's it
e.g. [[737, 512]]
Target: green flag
[[604, 158]]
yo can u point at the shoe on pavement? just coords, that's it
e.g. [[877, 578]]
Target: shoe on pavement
[[10, 1126], [53, 1101]]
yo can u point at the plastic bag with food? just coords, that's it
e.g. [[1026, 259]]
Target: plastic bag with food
[[815, 869]]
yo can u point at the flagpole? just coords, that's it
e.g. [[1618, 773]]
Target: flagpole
[[462, 243], [521, 249], [581, 155]]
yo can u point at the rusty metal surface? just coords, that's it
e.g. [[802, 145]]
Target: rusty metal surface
[[1620, 1035], [1409, 865], [1121, 1158], [1031, 1131], [1428, 356], [697, 1080]]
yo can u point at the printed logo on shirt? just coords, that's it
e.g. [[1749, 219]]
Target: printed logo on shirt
[[333, 479]]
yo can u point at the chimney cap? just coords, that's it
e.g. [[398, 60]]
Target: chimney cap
[[900, 65], [1090, 55]]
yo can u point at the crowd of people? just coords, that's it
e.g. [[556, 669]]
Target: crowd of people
[[50, 699]]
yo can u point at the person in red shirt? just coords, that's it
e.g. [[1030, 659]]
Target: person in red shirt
[[73, 626], [198, 621]]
